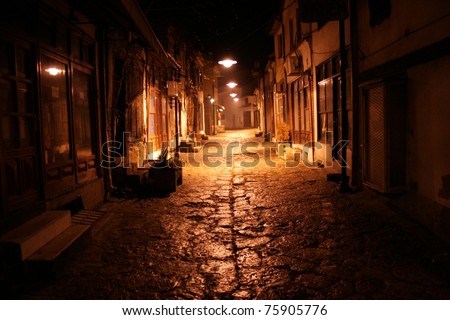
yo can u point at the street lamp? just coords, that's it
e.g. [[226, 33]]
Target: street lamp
[[227, 63], [232, 84]]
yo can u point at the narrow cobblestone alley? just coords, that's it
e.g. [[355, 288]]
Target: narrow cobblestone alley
[[233, 230]]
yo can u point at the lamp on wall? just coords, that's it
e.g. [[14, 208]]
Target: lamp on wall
[[214, 113], [54, 71], [211, 99]]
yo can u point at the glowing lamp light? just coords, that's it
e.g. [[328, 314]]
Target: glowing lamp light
[[233, 95], [236, 99], [227, 63], [54, 71], [232, 85]]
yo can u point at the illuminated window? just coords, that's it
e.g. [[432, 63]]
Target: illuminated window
[[55, 116]]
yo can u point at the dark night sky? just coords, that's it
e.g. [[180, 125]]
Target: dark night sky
[[220, 26]]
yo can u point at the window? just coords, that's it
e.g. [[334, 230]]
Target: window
[[55, 117], [82, 114], [136, 85], [67, 122], [164, 120], [305, 111], [319, 73], [159, 122], [81, 49], [307, 103], [15, 73], [299, 27], [291, 35], [296, 99], [329, 100], [280, 46], [18, 157], [152, 116], [325, 109], [54, 34]]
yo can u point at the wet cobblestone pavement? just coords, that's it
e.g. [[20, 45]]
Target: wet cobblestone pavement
[[237, 232]]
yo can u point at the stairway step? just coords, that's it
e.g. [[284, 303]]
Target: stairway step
[[53, 249], [95, 219], [35, 233]]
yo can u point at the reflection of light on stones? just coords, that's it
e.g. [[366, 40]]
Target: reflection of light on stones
[[242, 294], [214, 250], [248, 258], [252, 242], [238, 181], [225, 223], [196, 285], [249, 276], [220, 275]]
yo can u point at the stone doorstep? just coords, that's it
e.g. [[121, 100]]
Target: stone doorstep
[[54, 249], [37, 232], [96, 220], [193, 146]]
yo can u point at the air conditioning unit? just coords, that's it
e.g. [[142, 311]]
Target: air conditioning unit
[[294, 65]]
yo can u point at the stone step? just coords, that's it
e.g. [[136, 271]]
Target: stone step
[[35, 233], [56, 247], [95, 219], [192, 146]]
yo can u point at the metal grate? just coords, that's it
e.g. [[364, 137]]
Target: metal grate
[[375, 138], [87, 217]]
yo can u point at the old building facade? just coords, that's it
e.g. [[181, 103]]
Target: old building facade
[[404, 56], [392, 118], [51, 120], [88, 94]]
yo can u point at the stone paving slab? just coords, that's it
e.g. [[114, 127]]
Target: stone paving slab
[[262, 232]]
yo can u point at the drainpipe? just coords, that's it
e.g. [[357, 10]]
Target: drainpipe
[[286, 89], [343, 183], [176, 128], [265, 103], [105, 137], [356, 177]]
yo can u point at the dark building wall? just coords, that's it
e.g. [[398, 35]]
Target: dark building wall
[[50, 137], [403, 65]]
